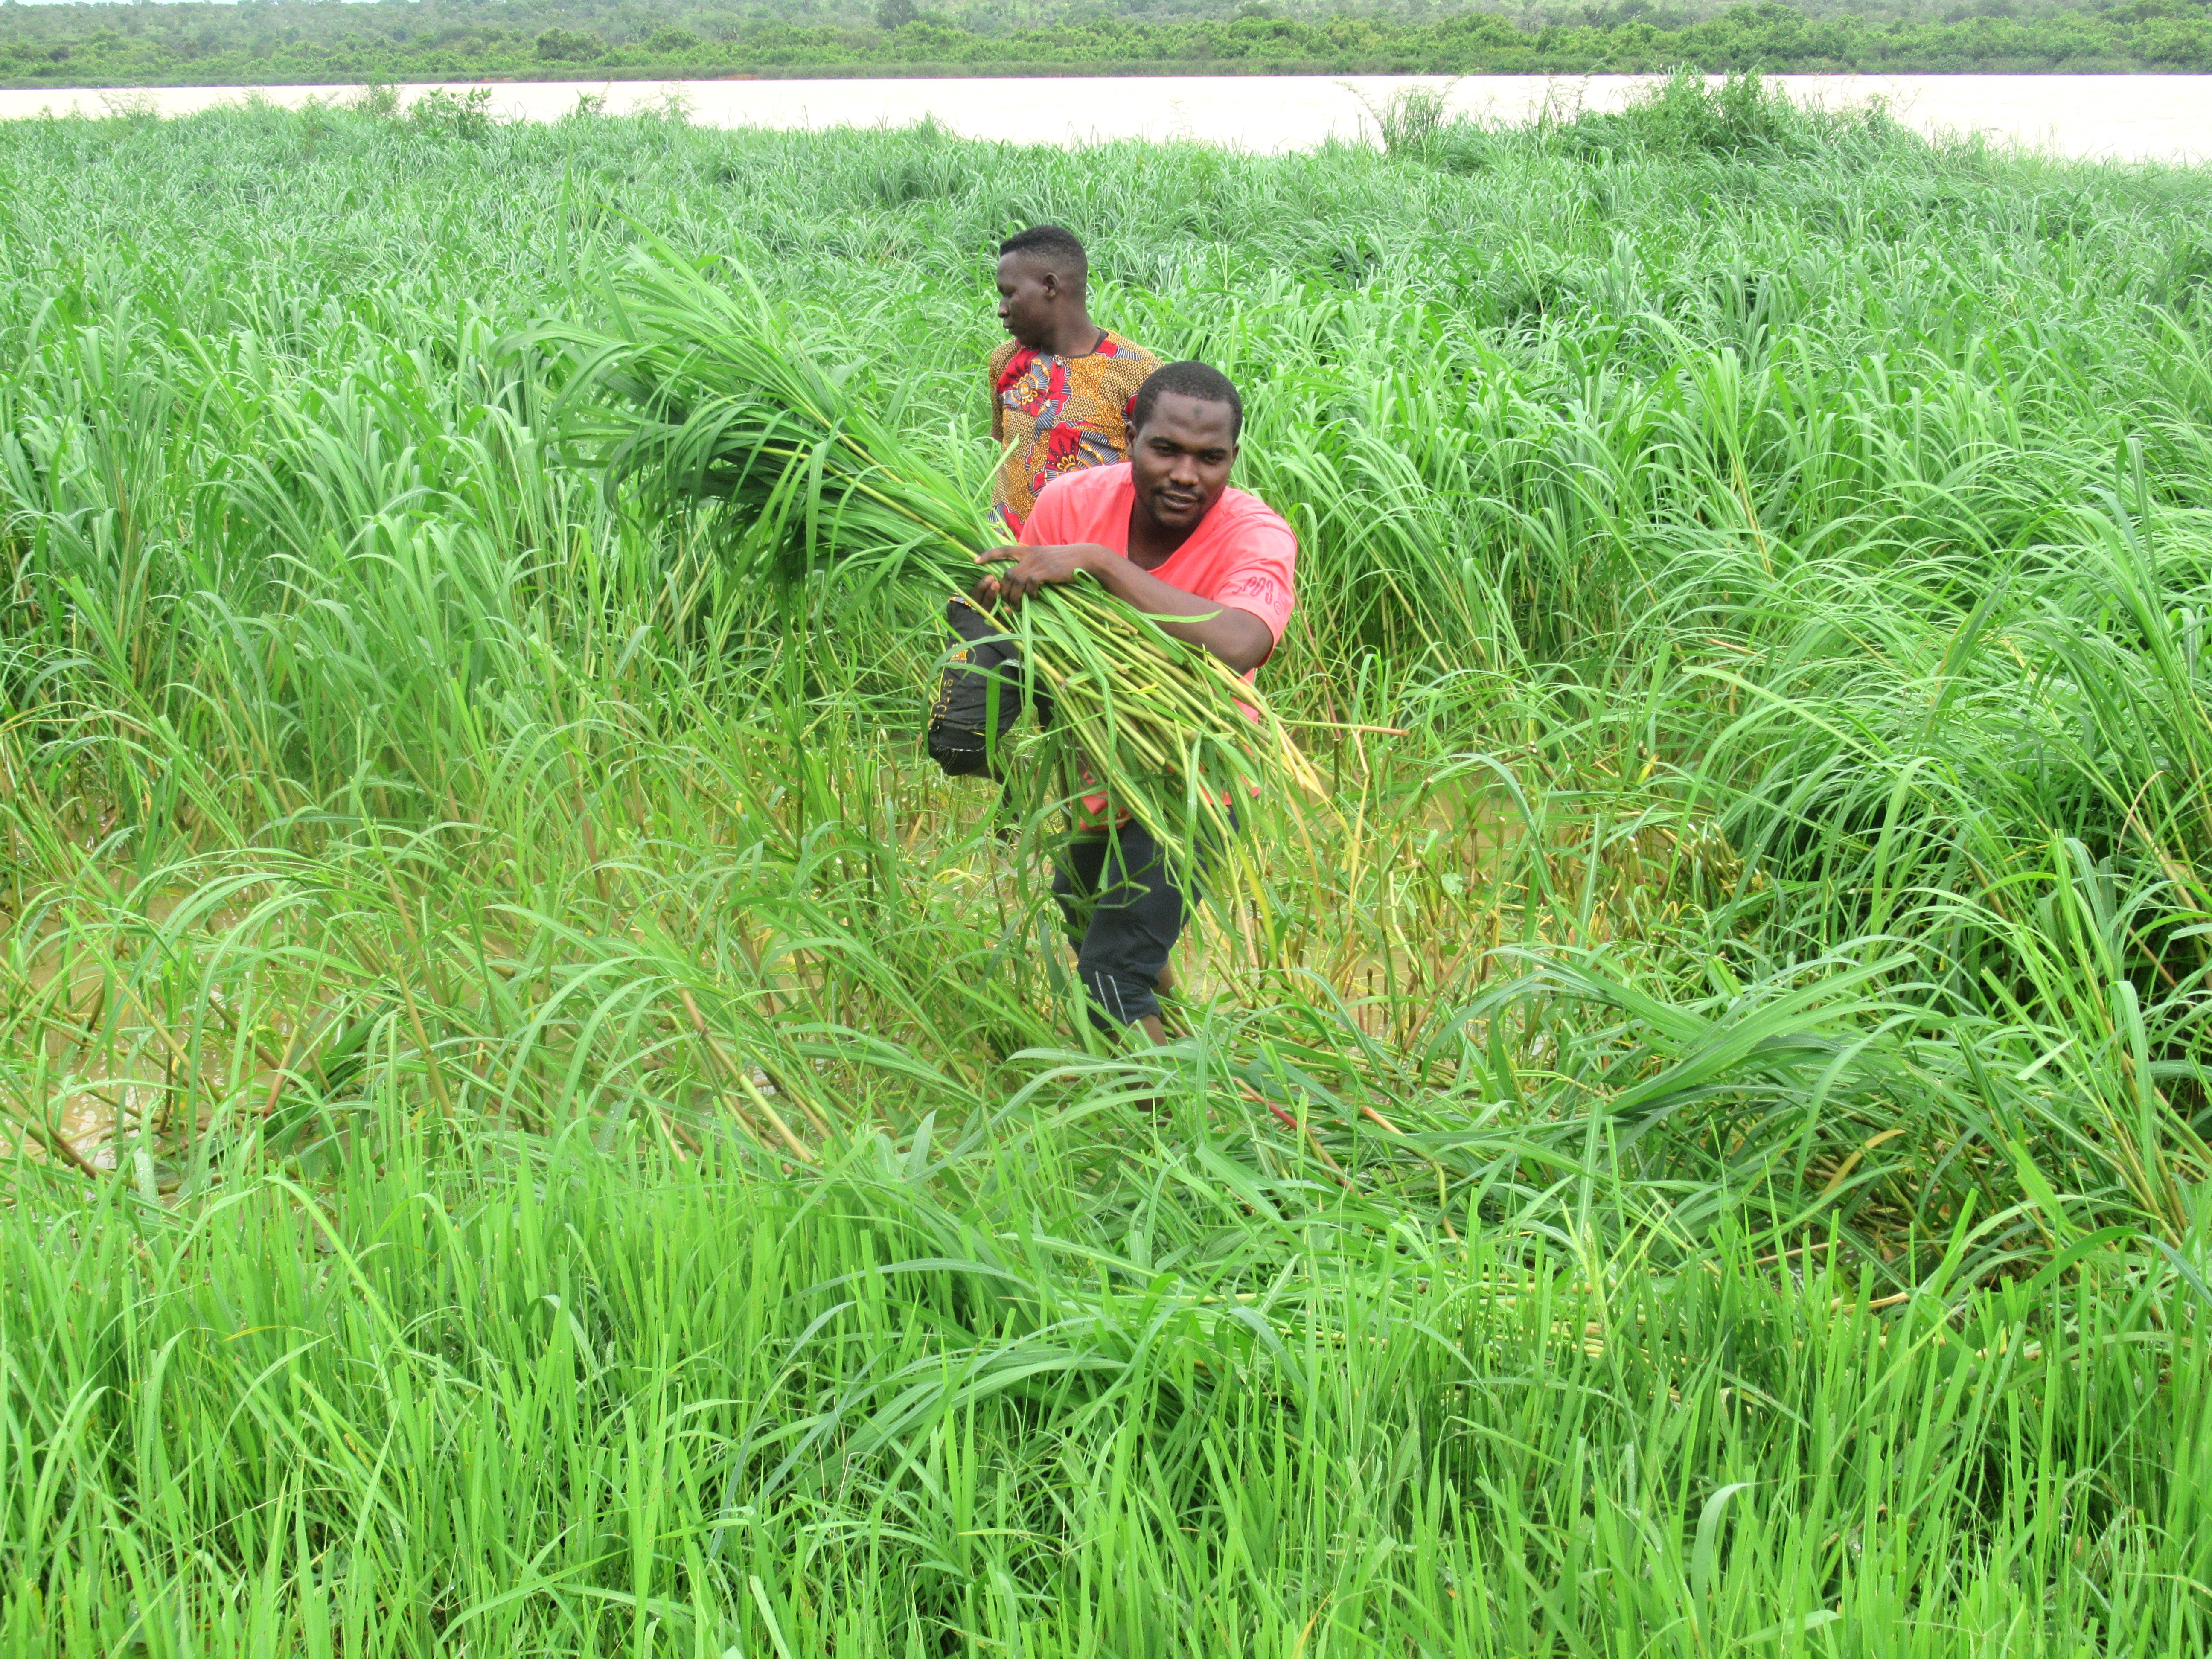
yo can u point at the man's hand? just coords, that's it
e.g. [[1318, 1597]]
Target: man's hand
[[1034, 568]]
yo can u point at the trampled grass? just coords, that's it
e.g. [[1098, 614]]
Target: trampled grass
[[546, 1126]]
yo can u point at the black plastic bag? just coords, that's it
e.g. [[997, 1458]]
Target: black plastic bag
[[981, 696]]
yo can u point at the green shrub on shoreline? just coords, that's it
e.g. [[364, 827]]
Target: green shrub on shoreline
[[398, 40]]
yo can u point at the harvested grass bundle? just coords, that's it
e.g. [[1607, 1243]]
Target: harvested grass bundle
[[699, 395]]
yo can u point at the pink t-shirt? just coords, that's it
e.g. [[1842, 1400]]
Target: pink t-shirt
[[1241, 556]]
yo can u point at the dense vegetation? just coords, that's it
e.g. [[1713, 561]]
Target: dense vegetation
[[269, 42], [550, 1128]]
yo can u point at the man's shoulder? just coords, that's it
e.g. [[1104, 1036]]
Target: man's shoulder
[[1123, 350], [1071, 504], [1247, 512], [1086, 484], [1001, 355]]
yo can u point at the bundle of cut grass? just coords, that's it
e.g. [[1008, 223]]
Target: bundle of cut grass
[[699, 398]]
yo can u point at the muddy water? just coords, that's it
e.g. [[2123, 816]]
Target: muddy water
[[2130, 118], [109, 1078]]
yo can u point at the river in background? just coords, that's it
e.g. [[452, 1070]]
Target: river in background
[[2121, 117]]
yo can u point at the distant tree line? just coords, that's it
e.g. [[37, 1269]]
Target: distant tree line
[[274, 42]]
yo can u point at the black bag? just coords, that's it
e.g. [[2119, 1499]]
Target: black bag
[[980, 697]]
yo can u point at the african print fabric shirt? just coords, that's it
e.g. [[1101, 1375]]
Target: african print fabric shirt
[[1059, 414]]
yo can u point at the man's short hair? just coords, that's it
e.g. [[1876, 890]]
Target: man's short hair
[[1054, 247], [1188, 379]]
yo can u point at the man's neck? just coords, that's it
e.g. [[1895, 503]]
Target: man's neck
[[1077, 337], [1151, 543]]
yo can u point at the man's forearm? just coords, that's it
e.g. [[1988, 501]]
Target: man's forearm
[[1240, 639]]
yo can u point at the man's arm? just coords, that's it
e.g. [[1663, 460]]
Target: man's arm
[[993, 366], [1239, 638]]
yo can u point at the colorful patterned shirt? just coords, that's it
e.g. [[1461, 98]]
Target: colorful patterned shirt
[[1059, 414]]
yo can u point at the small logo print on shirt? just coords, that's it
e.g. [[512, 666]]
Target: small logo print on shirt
[[1257, 587]]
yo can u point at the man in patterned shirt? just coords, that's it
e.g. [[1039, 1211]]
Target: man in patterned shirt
[[1062, 394], [1061, 389]]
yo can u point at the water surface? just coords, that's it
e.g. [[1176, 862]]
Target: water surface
[[2123, 117]]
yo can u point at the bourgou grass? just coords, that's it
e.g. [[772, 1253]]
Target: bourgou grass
[[543, 1125]]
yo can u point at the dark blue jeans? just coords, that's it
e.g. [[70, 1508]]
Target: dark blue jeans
[[1124, 912]]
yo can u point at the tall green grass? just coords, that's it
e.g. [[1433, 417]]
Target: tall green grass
[[545, 1126]]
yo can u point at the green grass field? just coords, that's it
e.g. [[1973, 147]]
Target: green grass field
[[543, 1124]]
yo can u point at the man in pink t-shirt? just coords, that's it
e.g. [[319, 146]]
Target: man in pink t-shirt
[[1165, 531]]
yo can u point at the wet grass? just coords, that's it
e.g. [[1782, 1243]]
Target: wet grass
[[545, 1126]]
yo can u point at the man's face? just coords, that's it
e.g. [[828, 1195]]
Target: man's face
[[1180, 458], [1029, 296]]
